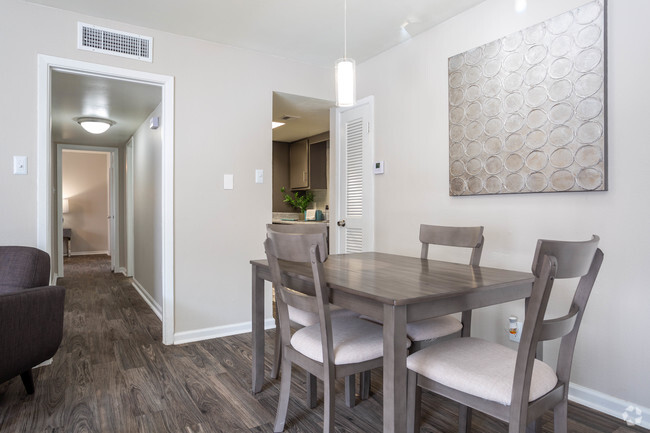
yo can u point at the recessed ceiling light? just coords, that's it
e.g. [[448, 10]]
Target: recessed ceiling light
[[276, 124]]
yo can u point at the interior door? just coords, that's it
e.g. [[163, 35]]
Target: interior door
[[352, 228], [112, 232]]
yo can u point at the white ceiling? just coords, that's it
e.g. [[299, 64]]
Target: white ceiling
[[308, 116], [126, 103], [308, 31]]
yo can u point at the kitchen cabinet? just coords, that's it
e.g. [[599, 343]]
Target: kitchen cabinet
[[308, 163], [299, 164]]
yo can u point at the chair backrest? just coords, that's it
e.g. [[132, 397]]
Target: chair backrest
[[284, 249], [554, 260], [23, 268], [464, 237], [307, 228]]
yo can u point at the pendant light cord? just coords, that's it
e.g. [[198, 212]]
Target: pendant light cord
[[345, 29]]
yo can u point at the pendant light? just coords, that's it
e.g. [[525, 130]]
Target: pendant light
[[344, 70]]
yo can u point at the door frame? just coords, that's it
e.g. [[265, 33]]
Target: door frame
[[335, 171], [45, 190], [113, 203]]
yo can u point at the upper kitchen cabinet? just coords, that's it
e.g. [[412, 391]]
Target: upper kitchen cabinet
[[308, 163], [299, 164]]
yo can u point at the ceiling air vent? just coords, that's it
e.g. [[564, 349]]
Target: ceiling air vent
[[115, 42]]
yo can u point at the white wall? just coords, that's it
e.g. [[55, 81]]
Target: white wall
[[411, 130], [223, 106], [84, 182], [147, 208]]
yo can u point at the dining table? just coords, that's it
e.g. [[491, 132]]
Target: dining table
[[394, 290]]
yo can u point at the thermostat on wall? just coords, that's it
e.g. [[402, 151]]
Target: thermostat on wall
[[379, 167]]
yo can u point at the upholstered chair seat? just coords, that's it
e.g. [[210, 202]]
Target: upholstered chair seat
[[480, 368]]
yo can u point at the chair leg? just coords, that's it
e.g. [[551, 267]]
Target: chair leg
[[283, 401], [534, 426], [28, 381], [413, 403], [364, 386], [464, 419], [277, 354], [312, 390], [560, 417], [350, 388], [328, 415]]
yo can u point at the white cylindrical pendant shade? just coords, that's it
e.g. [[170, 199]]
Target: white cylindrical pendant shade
[[345, 81]]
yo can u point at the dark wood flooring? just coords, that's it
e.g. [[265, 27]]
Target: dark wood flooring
[[113, 374]]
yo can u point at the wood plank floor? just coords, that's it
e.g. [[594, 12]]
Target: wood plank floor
[[113, 374]]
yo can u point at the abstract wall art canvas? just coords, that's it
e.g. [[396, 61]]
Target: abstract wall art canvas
[[527, 112]]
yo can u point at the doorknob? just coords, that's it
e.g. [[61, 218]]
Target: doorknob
[[341, 223]]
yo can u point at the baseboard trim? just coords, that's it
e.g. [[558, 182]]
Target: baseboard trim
[[89, 253], [155, 307], [122, 271], [629, 412], [218, 331]]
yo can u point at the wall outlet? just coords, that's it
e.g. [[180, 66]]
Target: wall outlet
[[517, 336], [20, 165]]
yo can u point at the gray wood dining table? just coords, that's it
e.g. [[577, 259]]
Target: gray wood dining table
[[396, 290]]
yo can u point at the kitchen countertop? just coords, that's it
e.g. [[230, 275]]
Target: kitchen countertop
[[281, 221]]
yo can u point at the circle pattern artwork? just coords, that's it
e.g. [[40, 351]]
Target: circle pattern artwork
[[561, 158], [514, 162], [536, 118], [562, 180], [526, 111], [493, 146]]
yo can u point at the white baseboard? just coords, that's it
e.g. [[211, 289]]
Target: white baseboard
[[122, 271], [155, 306], [218, 331], [629, 412], [89, 253]]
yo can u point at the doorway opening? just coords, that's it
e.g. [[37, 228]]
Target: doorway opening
[[50, 203], [301, 141], [85, 177]]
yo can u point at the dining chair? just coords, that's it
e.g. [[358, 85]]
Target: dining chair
[[512, 385], [300, 319], [333, 347], [424, 332]]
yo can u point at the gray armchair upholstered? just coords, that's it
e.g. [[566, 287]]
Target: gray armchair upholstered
[[31, 313]]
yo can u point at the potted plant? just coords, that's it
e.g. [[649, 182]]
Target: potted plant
[[298, 201]]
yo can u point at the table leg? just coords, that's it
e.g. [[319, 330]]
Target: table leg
[[395, 352], [258, 331]]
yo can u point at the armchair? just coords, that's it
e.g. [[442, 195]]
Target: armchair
[[31, 313]]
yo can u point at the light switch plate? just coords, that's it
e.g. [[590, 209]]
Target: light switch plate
[[259, 176], [20, 165], [378, 168], [228, 181]]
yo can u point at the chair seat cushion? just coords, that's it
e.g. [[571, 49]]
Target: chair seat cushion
[[479, 368], [306, 318], [354, 340], [429, 329]]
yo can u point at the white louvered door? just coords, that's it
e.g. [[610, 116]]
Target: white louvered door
[[353, 224]]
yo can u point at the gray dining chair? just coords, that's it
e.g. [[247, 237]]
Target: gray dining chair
[[300, 319], [512, 385], [424, 332], [332, 348]]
